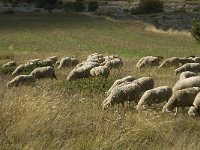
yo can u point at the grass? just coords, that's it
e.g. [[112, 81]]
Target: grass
[[55, 114]]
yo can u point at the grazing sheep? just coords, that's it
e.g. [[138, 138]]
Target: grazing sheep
[[185, 60], [95, 58], [146, 83], [149, 61], [194, 109], [103, 71], [33, 61], [194, 67], [9, 64], [155, 96], [65, 62], [22, 80], [187, 74], [75, 61], [170, 62], [46, 62], [187, 83], [116, 63], [120, 81], [80, 72], [196, 59], [181, 98], [44, 72], [122, 93], [53, 58], [19, 69], [128, 91]]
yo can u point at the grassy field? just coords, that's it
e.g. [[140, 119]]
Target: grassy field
[[67, 115]]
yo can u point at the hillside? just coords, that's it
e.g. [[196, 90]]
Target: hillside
[[56, 114]]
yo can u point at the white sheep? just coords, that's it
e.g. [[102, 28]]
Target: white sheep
[[155, 96], [9, 64], [53, 58], [82, 71], [187, 74], [21, 80], [96, 58], [44, 72], [128, 91], [170, 62], [65, 62], [185, 60], [146, 83], [196, 59], [194, 67], [120, 81], [187, 83], [102, 71], [195, 108], [149, 61], [116, 63], [181, 98], [33, 61], [122, 93], [19, 69]]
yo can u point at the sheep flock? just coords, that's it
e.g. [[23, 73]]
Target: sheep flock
[[139, 91]]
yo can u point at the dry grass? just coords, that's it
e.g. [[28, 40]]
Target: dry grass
[[55, 114]]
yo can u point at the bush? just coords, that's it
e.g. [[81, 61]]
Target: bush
[[44, 3], [148, 6], [195, 31], [74, 6], [92, 6]]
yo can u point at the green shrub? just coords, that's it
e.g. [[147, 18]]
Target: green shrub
[[92, 6], [195, 31], [148, 6], [74, 6], [44, 3]]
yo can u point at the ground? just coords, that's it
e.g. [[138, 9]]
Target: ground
[[56, 114]]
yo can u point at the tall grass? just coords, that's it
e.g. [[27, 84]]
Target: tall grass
[[56, 114]]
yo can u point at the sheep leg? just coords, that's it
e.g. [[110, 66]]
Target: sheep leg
[[176, 111], [54, 76]]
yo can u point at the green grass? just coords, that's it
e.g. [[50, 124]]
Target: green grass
[[56, 114]]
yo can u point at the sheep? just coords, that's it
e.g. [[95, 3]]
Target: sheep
[[19, 69], [128, 91], [155, 96], [196, 59], [75, 61], [46, 62], [122, 93], [44, 72], [95, 58], [170, 62], [187, 74], [146, 83], [187, 83], [120, 81], [34, 61], [9, 64], [82, 71], [65, 62], [21, 80], [194, 109], [116, 63], [103, 71], [53, 58], [181, 98], [185, 60], [149, 61], [194, 67]]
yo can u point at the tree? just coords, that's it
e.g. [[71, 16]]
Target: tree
[[195, 31]]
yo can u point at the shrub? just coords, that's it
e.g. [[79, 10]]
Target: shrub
[[92, 6], [44, 3], [195, 31], [148, 6], [74, 6]]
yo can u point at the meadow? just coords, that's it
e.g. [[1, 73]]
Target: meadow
[[56, 114]]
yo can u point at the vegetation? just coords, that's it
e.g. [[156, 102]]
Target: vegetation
[[92, 6], [76, 6], [195, 31], [56, 114], [148, 6]]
